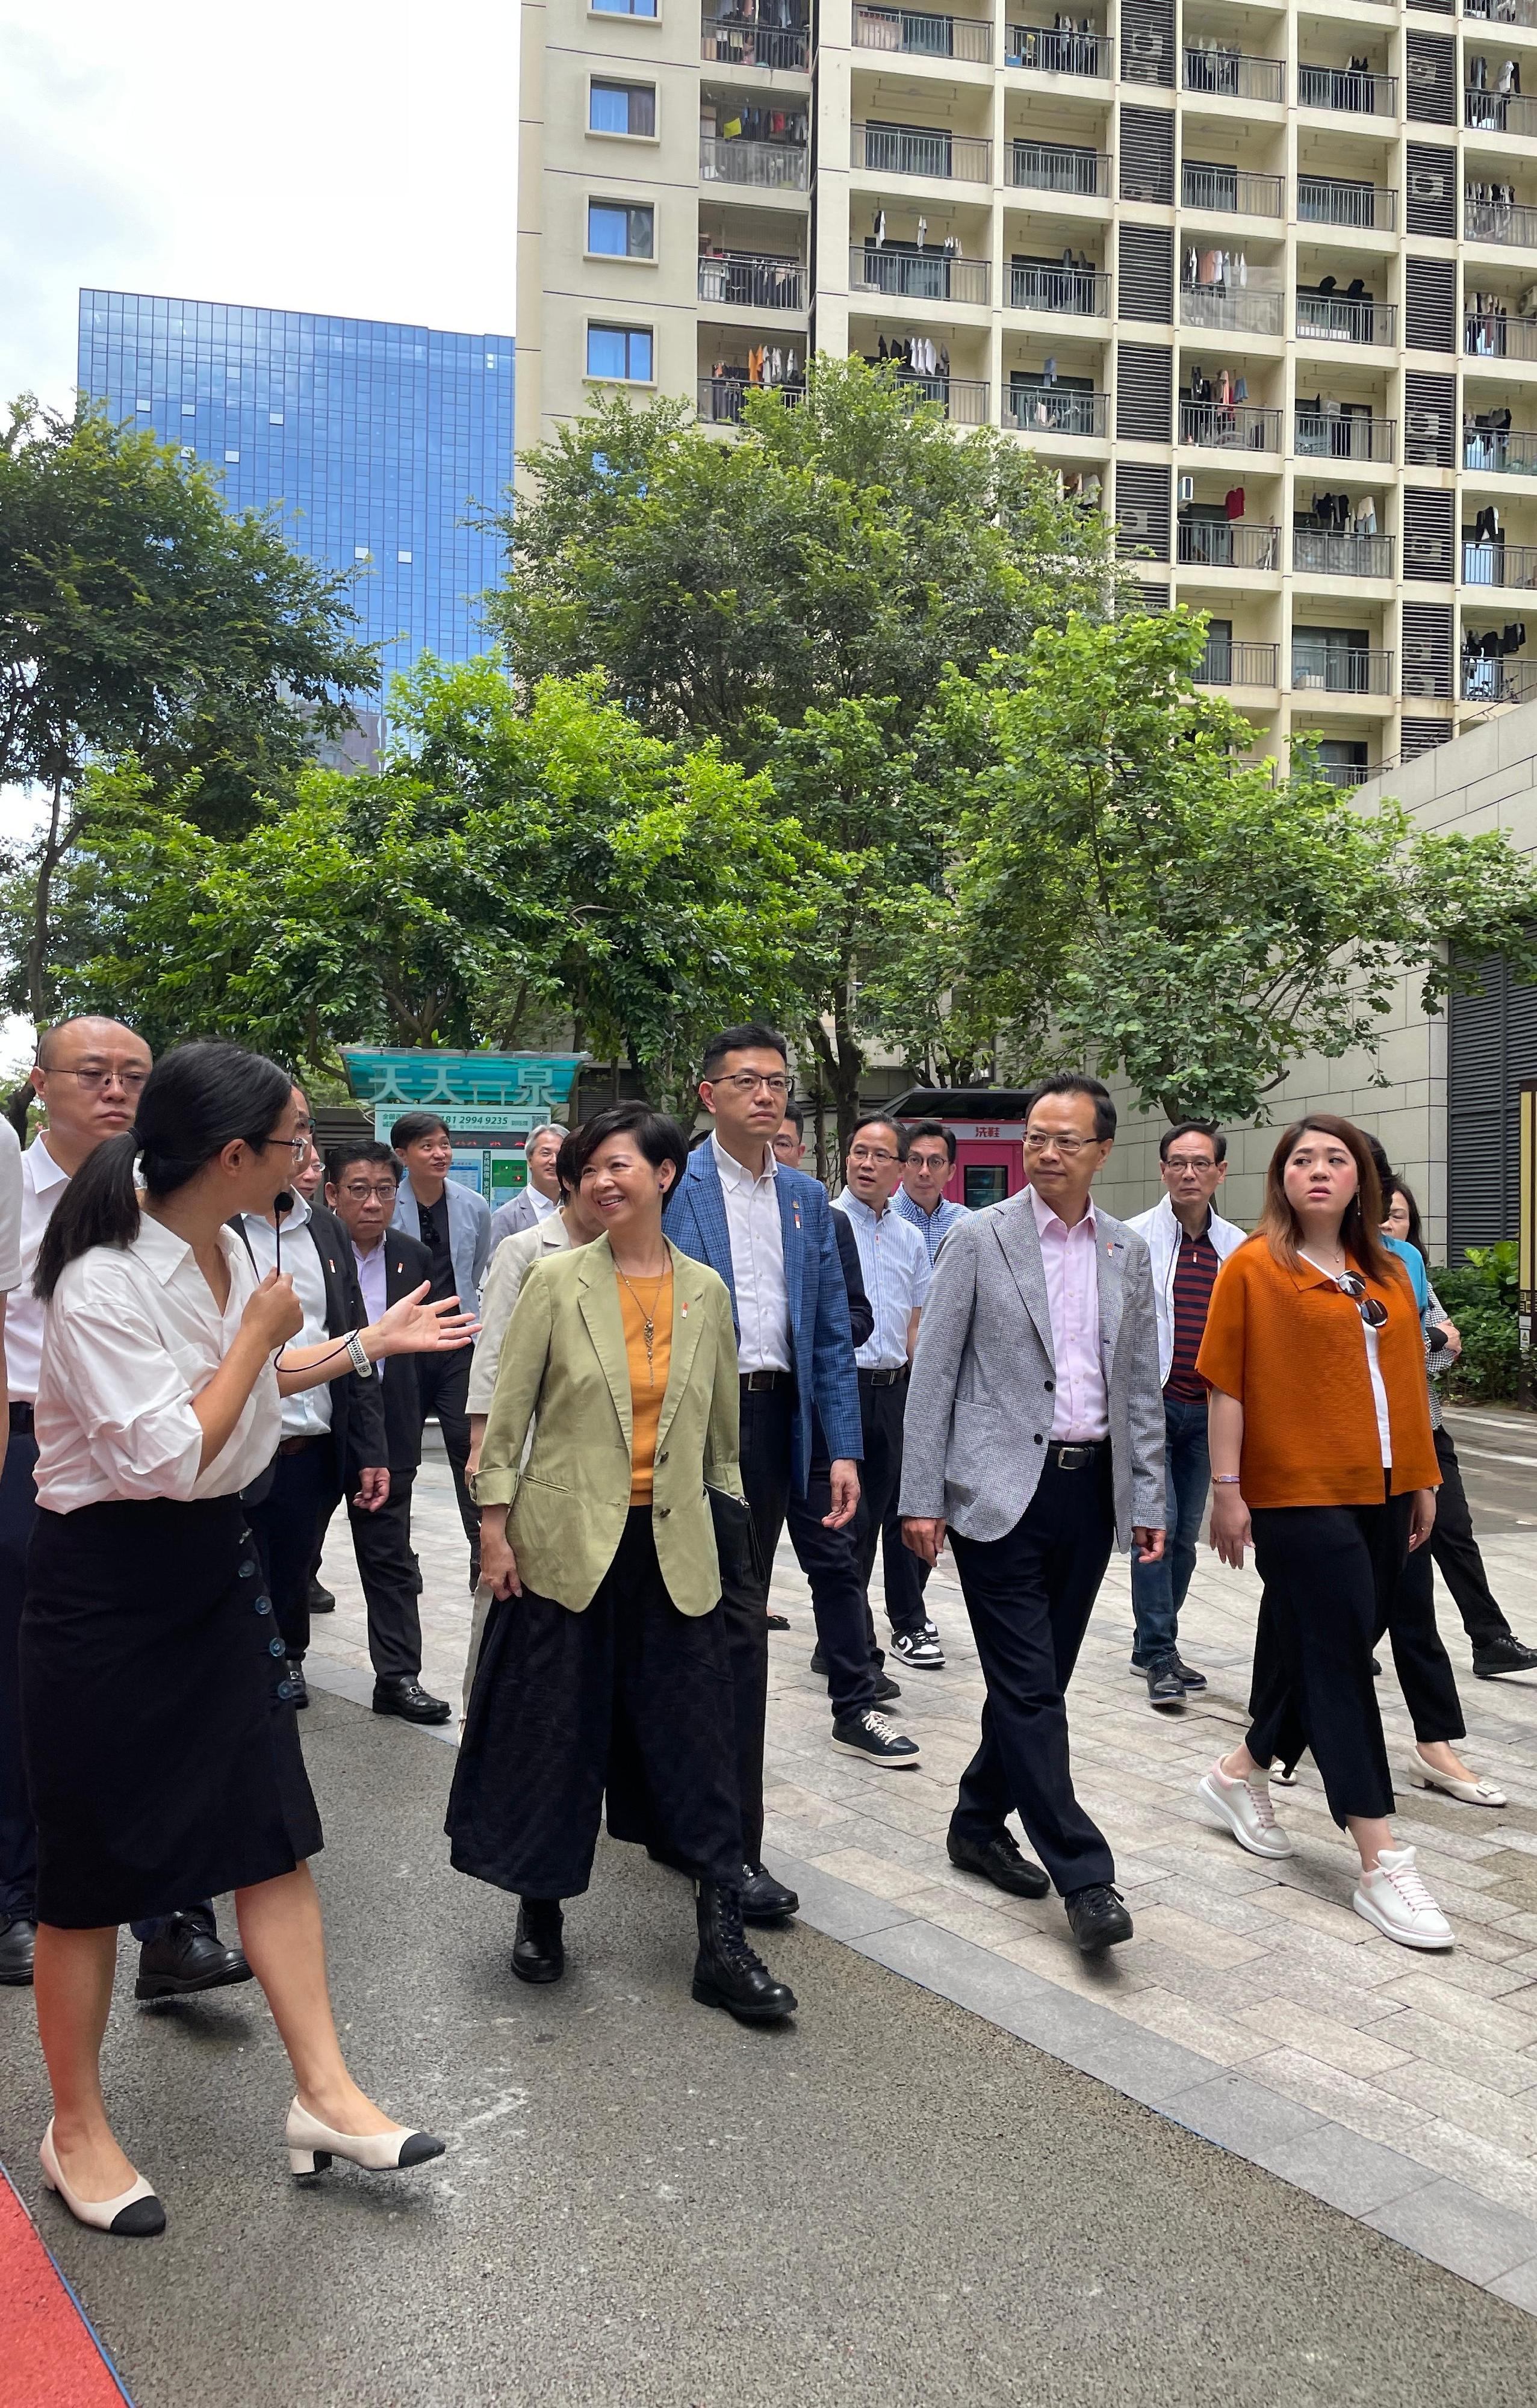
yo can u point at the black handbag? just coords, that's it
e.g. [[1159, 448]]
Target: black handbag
[[736, 1542]]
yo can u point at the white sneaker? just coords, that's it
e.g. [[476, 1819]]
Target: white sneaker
[[1244, 1808], [920, 1648], [1393, 1896]]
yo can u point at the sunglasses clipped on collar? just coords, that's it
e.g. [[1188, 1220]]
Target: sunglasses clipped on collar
[[1373, 1313]]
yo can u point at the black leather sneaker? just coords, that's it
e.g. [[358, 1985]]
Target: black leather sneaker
[[999, 1860], [1506, 1653], [1165, 1689], [17, 1938], [1099, 1918], [871, 1735]]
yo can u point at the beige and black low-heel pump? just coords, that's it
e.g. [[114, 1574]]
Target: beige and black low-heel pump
[[311, 2146], [135, 2214]]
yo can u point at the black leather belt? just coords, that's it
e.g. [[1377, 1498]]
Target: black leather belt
[[883, 1379], [1076, 1454], [752, 1381], [297, 1445], [21, 1417]]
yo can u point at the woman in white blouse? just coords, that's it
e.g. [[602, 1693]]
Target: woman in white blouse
[[161, 1746]]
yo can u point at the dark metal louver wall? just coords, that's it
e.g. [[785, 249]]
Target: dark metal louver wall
[[1156, 597], [1417, 735], [1426, 535], [1491, 1046], [1429, 305], [1144, 392], [1431, 200], [1147, 41], [1147, 154], [1142, 509], [1430, 420], [1430, 78], [1426, 649], [1145, 287]]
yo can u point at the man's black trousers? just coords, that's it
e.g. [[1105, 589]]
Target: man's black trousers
[[443, 1380], [291, 1523], [1454, 1551]]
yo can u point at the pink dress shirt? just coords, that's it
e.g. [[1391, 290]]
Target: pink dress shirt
[[1068, 1258]]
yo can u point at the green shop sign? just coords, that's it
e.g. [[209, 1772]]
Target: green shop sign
[[490, 1102]]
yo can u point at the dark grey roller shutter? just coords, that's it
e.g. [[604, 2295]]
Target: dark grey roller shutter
[[1426, 535], [1147, 41], [1417, 735], [1145, 287], [1429, 79], [1491, 1046], [1142, 509], [1426, 648], [1429, 305], [1147, 154], [1144, 394], [1430, 420], [1431, 197]]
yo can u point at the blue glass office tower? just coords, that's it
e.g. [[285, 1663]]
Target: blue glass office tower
[[377, 444]]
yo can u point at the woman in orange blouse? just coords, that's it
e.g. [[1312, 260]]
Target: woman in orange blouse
[[1322, 1460]]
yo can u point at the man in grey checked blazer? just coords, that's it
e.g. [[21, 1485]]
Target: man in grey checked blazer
[[1034, 1436]]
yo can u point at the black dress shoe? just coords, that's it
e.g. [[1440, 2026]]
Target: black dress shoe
[[296, 1686], [763, 1900], [1195, 1682], [1504, 1653], [320, 1599], [778, 1621], [186, 1957], [726, 1972], [1165, 1689], [539, 1952], [404, 1695], [18, 1937], [886, 1689], [1000, 1861], [1099, 1918]]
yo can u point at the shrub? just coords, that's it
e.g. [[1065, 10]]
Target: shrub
[[1479, 1293]]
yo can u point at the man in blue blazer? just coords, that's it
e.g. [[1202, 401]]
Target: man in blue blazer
[[768, 1231], [454, 1223]]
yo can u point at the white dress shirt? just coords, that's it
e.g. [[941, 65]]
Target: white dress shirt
[[1070, 1258], [42, 1184], [758, 1262], [542, 1205], [308, 1414], [133, 1334], [894, 1261]]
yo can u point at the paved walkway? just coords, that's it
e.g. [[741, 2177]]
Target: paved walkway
[[1253, 2005]]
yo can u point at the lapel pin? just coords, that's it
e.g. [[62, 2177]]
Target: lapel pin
[[796, 1209], [685, 1311]]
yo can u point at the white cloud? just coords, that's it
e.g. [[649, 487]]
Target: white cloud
[[327, 156]]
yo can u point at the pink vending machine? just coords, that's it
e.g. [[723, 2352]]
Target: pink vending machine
[[988, 1123]]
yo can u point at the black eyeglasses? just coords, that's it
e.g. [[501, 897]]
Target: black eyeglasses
[[1374, 1314]]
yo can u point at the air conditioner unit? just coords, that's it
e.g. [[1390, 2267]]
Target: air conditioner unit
[[1424, 423], [1147, 46], [1135, 522], [1427, 184], [1422, 71]]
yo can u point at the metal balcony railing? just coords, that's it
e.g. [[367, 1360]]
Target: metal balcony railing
[[1227, 544], [1501, 453], [1501, 12], [932, 152], [922, 36], [1347, 88], [1320, 669], [1328, 435], [720, 398], [745, 281], [774, 167], [1499, 221], [1343, 774], [924, 276], [1499, 338], [1233, 191], [1219, 312], [1046, 409], [1322, 201], [1042, 50], [1082, 292], [1499, 563], [1231, 75], [1233, 427], [1316, 554], [964, 399], [1336, 319], [1498, 681], [1048, 167], [757, 46], [1226, 663], [1494, 112]]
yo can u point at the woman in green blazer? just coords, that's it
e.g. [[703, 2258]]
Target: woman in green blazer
[[604, 1661]]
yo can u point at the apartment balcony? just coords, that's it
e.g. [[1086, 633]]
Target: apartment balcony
[[1214, 311], [930, 151], [1343, 775], [1499, 563], [1317, 670], [1233, 191], [1231, 75], [1504, 222], [1313, 553], [1040, 50], [719, 399], [757, 46], [1500, 453], [1046, 409], [921, 275], [920, 36], [1226, 663], [1501, 12], [1499, 338], [1227, 544], [1329, 435], [1056, 167], [1498, 681], [1347, 88], [768, 167], [1336, 318], [963, 399], [746, 280], [1495, 112], [1077, 292], [1323, 201], [1231, 427]]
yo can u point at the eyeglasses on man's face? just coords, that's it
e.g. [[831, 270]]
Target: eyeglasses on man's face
[[1037, 1140], [873, 1154], [359, 1192], [297, 1146], [94, 1080], [1188, 1162], [747, 1083], [928, 1162]]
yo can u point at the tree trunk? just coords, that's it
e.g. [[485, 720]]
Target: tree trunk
[[56, 845], [841, 1060]]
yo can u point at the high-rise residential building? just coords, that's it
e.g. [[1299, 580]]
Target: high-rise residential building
[[377, 444], [1259, 276]]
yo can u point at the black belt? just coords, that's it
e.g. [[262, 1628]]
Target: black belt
[[1078, 1453], [883, 1379], [752, 1381], [21, 1417], [297, 1445]]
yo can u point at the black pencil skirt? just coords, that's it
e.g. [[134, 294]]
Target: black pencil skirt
[[628, 1696], [161, 1762]]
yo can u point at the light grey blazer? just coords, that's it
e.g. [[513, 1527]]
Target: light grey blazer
[[469, 1234], [980, 1396], [509, 1219]]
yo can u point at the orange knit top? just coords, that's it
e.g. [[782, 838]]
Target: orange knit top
[[1290, 1346], [648, 1380]]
